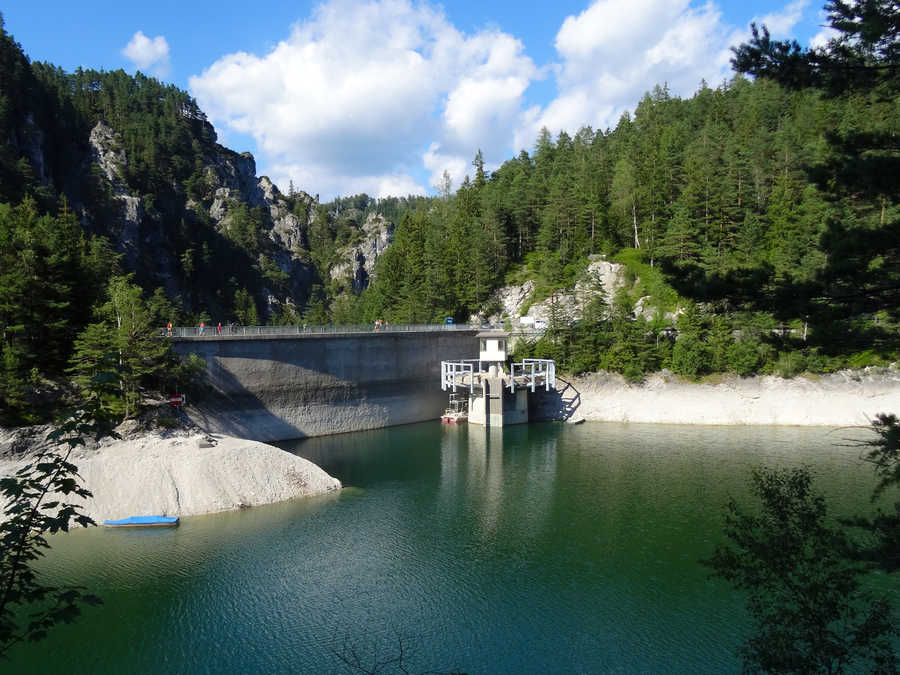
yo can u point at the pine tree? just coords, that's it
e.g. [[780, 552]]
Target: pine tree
[[624, 196], [245, 308], [680, 240], [125, 341], [860, 64]]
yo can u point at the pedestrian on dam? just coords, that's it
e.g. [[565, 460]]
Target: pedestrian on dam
[[219, 328], [202, 326], [169, 329]]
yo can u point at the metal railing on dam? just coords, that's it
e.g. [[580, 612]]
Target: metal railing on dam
[[224, 332]]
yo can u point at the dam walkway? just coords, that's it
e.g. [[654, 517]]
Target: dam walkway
[[268, 332], [225, 332]]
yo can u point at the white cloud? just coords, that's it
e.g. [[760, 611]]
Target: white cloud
[[357, 93], [437, 162], [825, 34], [782, 22], [613, 52], [150, 55], [328, 184], [370, 95], [481, 110], [398, 186], [823, 37]]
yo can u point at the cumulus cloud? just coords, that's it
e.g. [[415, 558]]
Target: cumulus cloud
[[612, 52], [383, 96], [826, 33], [314, 179], [150, 55], [782, 22], [356, 97]]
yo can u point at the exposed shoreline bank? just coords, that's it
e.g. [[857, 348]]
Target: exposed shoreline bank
[[846, 398], [181, 474]]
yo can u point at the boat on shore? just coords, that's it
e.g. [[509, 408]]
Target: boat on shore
[[143, 521]]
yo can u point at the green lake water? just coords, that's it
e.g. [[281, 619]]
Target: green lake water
[[541, 548]]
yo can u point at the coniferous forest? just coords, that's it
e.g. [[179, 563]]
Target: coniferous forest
[[757, 220], [763, 213]]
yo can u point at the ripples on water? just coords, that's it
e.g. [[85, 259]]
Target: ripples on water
[[541, 548]]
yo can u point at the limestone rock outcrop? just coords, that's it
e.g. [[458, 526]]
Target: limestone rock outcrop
[[510, 301], [108, 154], [359, 258]]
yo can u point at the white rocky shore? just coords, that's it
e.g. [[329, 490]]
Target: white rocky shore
[[180, 474], [846, 398]]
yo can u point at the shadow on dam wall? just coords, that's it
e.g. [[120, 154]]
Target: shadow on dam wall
[[276, 388]]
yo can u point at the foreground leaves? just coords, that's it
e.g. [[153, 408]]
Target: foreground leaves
[[40, 501], [803, 589]]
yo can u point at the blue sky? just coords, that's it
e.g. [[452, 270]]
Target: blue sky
[[382, 96]]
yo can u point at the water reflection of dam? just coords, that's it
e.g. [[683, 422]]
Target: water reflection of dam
[[474, 463]]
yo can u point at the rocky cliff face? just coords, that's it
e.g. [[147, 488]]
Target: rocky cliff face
[[107, 153], [360, 258], [34, 147], [139, 163], [231, 181], [513, 301]]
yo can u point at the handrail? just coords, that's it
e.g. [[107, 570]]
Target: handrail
[[543, 371], [232, 331], [534, 369], [451, 371]]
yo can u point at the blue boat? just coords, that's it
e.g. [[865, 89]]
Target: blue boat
[[143, 521]]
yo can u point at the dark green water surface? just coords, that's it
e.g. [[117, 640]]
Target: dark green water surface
[[542, 548]]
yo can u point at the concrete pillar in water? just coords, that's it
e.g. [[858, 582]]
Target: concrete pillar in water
[[496, 406]]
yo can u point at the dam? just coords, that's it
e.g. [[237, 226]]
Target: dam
[[268, 384]]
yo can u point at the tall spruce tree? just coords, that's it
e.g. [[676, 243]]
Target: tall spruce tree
[[861, 169]]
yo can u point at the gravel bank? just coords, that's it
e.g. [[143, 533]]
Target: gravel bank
[[838, 399], [174, 475]]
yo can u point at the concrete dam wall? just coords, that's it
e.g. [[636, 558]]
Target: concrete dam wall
[[275, 388]]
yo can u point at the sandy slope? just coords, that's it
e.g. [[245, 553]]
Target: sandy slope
[[173, 475]]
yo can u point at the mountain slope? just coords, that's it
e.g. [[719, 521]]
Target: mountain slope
[[139, 164]]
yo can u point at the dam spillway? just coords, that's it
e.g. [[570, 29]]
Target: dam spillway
[[275, 387]]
